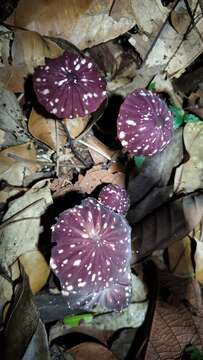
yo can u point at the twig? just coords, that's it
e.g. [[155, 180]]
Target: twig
[[57, 149], [95, 149]]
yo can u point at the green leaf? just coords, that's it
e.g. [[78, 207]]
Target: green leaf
[[74, 320], [194, 352], [139, 161], [191, 118], [178, 116], [152, 86]]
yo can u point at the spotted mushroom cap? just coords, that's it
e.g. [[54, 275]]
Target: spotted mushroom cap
[[92, 256], [115, 197], [69, 86], [144, 124]]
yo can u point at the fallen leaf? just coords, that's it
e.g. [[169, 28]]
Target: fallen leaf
[[9, 192], [48, 131], [21, 224], [76, 126], [90, 350], [29, 50], [24, 333], [180, 258], [150, 188], [189, 175], [6, 292], [167, 224], [180, 20], [177, 322], [36, 268], [85, 24], [12, 120], [18, 162], [100, 152], [97, 176]]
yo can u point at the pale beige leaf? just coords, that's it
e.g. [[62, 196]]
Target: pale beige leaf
[[21, 224], [189, 176], [17, 163], [84, 23]]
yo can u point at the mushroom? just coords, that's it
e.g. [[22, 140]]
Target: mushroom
[[115, 197], [92, 256], [144, 124], [69, 86]]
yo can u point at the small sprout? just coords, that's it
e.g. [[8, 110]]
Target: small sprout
[[115, 197], [92, 256], [69, 86], [144, 124]]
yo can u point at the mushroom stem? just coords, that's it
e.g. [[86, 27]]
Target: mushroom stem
[[95, 149]]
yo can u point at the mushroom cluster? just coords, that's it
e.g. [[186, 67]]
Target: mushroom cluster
[[115, 197], [144, 124], [91, 256], [69, 86]]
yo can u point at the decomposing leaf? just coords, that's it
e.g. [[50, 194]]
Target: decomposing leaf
[[85, 24], [100, 152], [90, 350], [28, 50], [96, 176], [180, 258], [18, 162], [36, 268], [24, 334], [12, 120], [149, 189], [163, 45], [6, 292], [48, 131], [197, 235], [21, 224], [177, 320], [8, 192], [167, 224], [180, 20], [189, 176]]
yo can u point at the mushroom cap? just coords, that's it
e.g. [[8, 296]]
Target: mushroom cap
[[69, 86], [92, 256], [115, 197], [144, 124]]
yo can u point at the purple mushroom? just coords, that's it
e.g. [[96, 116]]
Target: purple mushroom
[[144, 124], [92, 256], [69, 86], [115, 197]]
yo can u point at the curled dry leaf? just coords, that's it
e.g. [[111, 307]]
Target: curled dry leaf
[[90, 350], [100, 152], [167, 224], [97, 176], [21, 224], [28, 50], [36, 268], [18, 162], [189, 176], [85, 23], [24, 333]]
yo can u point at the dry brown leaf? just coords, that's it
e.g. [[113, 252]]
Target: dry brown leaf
[[90, 351], [189, 176], [180, 20], [48, 131], [177, 321], [100, 152], [21, 224], [84, 23], [18, 162], [76, 126], [36, 268], [97, 176], [28, 50], [180, 258]]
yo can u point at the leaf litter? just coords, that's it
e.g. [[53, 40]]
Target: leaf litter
[[49, 165]]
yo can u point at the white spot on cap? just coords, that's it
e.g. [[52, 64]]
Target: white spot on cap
[[77, 67], [45, 92], [131, 122], [122, 134], [77, 262]]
